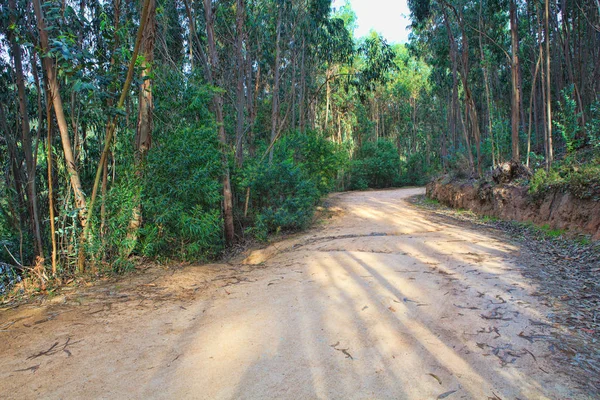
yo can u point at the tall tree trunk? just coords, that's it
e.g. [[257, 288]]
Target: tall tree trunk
[[531, 97], [18, 215], [51, 189], [194, 39], [549, 155], [276, 68], [328, 97], [239, 43], [145, 121], [218, 106], [30, 161], [515, 82], [253, 103], [454, 103], [54, 90], [302, 100], [470, 122], [484, 68], [293, 90]]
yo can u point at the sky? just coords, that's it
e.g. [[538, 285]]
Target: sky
[[388, 17]]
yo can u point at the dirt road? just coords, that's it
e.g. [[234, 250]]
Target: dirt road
[[380, 302]]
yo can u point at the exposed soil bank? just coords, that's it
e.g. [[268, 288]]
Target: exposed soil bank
[[558, 209]]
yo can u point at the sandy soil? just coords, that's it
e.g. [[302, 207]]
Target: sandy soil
[[381, 301]]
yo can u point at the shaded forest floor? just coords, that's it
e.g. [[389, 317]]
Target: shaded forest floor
[[393, 296]]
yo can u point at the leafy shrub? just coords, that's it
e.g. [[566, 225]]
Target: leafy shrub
[[416, 171], [582, 179], [567, 120], [285, 192], [592, 127], [375, 165], [181, 197]]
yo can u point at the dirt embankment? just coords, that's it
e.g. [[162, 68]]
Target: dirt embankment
[[559, 209]]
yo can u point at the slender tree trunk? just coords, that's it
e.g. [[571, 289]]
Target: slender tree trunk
[[535, 74], [276, 68], [54, 90], [293, 90], [301, 111], [471, 122], [145, 121], [51, 189], [30, 161], [550, 155], [328, 96], [453, 57], [239, 43], [194, 39], [515, 82], [253, 104], [484, 68], [569, 60], [218, 106]]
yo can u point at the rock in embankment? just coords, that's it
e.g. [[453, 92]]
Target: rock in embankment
[[558, 208]]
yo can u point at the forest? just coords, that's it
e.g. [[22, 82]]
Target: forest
[[179, 129]]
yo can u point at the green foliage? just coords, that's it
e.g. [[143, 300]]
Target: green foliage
[[550, 232], [581, 178], [182, 195], [285, 192], [592, 127], [416, 171], [116, 244], [567, 120], [375, 165]]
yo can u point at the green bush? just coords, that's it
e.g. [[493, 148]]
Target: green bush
[[567, 120], [284, 192], [581, 178], [416, 171], [182, 195], [592, 127], [375, 165]]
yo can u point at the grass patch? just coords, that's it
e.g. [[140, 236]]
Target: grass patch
[[488, 218], [584, 240], [550, 232], [431, 202], [577, 173]]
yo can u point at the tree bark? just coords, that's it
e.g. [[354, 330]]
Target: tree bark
[[240, 95], [218, 108], [54, 89], [549, 149], [515, 82], [302, 100], [275, 102], [51, 190], [484, 68], [30, 161], [145, 122]]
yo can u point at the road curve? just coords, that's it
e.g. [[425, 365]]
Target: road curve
[[382, 301]]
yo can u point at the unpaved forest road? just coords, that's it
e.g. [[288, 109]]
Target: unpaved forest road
[[381, 302]]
